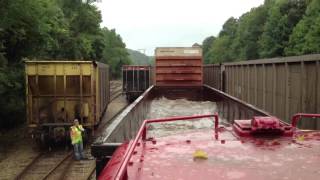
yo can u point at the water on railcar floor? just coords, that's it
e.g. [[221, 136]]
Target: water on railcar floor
[[164, 107]]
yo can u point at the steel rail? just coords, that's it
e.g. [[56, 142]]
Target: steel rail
[[91, 173], [27, 168], [25, 171], [64, 172], [116, 95], [57, 165]]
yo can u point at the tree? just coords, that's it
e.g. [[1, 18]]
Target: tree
[[245, 45], [305, 37], [229, 28], [23, 32], [282, 18], [220, 48], [276, 28], [114, 52], [206, 46]]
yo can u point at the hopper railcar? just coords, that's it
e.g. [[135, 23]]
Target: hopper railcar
[[57, 92]]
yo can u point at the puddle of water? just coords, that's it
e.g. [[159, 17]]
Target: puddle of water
[[164, 107]]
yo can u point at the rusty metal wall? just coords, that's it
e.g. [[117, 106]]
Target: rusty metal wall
[[280, 86], [178, 66]]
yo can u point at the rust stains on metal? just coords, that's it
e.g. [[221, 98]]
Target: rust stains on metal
[[178, 66]]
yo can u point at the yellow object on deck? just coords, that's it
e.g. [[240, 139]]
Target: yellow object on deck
[[300, 138], [200, 154]]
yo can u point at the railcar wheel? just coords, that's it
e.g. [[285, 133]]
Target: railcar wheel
[[86, 136], [42, 140]]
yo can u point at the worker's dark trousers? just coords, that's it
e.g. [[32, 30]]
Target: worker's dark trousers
[[78, 151]]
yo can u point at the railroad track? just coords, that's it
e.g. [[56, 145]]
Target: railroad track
[[58, 165], [115, 85], [71, 169], [44, 165], [115, 95], [115, 89]]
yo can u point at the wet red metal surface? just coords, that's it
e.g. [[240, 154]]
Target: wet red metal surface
[[111, 169], [229, 156], [258, 125]]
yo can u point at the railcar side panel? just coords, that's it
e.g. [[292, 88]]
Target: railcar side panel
[[178, 66], [59, 91]]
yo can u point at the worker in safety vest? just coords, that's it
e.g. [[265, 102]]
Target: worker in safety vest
[[76, 139]]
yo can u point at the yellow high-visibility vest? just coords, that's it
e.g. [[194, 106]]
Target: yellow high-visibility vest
[[75, 134]]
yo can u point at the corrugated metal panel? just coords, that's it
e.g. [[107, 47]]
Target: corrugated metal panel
[[212, 76], [281, 86], [178, 66]]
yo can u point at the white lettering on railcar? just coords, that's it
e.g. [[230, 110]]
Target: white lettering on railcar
[[191, 51]]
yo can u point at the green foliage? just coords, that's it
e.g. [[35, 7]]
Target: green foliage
[[12, 95], [245, 45], [114, 53], [206, 46], [283, 17], [229, 28], [238, 38], [220, 50], [49, 29], [276, 28], [138, 58], [305, 38]]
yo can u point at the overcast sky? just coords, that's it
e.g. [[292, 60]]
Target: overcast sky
[[146, 24]]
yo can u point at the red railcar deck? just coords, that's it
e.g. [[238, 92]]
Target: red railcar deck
[[229, 156]]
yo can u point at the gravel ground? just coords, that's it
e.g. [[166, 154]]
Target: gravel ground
[[16, 150]]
